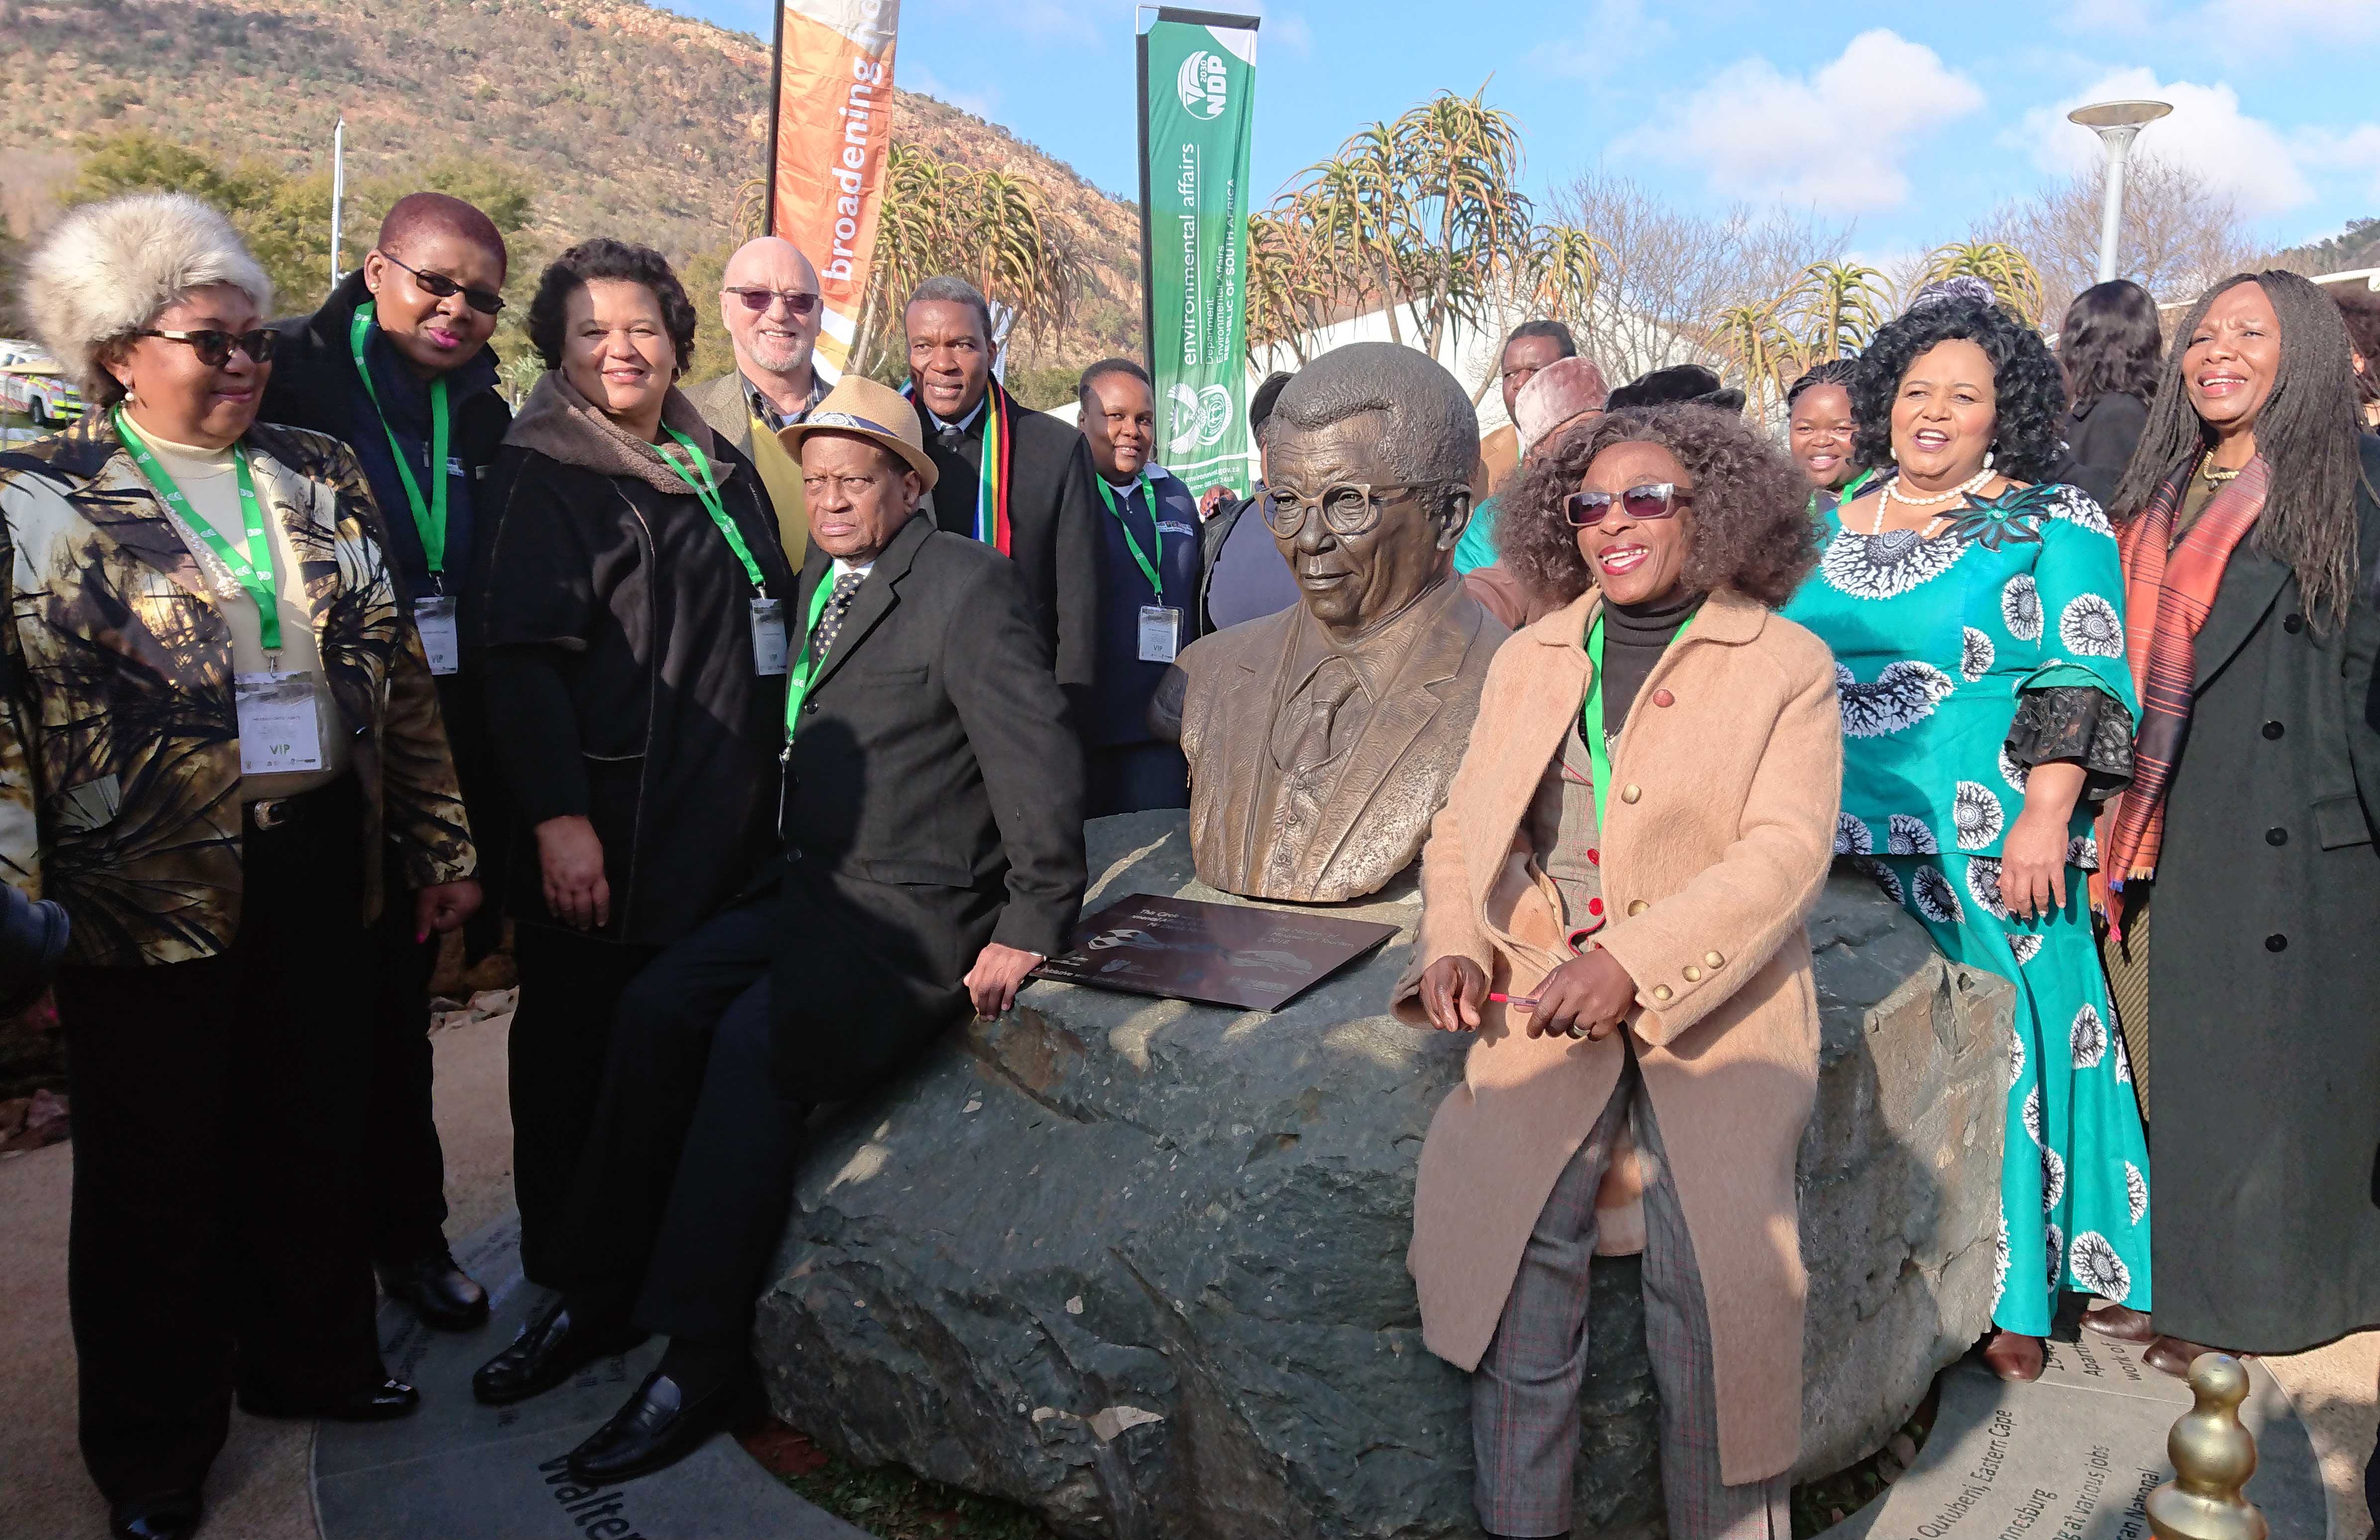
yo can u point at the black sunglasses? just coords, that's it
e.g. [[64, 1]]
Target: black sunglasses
[[800, 303], [213, 347], [439, 286], [1654, 500]]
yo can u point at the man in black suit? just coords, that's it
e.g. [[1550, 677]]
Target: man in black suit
[[1035, 500], [933, 853]]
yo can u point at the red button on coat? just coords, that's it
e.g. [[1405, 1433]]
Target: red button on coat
[[1594, 857], [1663, 698], [1595, 906]]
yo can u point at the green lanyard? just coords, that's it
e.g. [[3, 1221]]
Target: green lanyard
[[253, 566], [805, 670], [1590, 716], [430, 519], [1148, 567], [708, 490], [1851, 490]]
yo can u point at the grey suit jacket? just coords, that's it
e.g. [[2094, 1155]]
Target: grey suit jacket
[[722, 405]]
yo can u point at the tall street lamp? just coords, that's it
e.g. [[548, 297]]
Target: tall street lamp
[[2116, 123]]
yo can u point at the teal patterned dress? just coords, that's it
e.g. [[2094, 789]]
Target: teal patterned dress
[[1943, 648]]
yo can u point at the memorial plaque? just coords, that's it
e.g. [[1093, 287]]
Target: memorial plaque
[[1213, 953]]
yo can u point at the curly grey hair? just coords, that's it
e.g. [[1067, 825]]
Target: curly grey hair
[[107, 271], [1432, 433]]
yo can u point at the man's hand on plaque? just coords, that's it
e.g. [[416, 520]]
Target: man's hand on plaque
[[997, 974]]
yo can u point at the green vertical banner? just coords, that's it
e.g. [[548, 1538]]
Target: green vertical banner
[[1197, 100]]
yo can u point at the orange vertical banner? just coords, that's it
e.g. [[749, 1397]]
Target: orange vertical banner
[[834, 125]]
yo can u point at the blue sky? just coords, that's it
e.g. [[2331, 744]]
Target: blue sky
[[1913, 121]]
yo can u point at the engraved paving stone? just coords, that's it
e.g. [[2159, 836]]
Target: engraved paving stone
[[2075, 1455], [459, 1471]]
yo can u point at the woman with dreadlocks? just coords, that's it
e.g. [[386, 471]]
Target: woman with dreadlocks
[[2246, 519]]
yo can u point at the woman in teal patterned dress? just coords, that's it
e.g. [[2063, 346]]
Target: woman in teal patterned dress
[[1978, 634]]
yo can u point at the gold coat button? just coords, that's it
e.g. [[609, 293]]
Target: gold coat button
[[1693, 973], [1629, 793], [1661, 992], [1638, 906], [1714, 959]]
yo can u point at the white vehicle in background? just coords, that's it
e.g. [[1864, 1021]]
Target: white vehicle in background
[[33, 383]]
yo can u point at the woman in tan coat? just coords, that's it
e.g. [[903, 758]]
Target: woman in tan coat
[[1639, 981]]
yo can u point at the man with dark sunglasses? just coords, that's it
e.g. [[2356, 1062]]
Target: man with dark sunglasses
[[396, 364], [769, 302]]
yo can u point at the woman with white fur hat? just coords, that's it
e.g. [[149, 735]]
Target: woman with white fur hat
[[215, 725]]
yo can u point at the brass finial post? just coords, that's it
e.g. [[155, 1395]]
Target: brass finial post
[[2213, 1455]]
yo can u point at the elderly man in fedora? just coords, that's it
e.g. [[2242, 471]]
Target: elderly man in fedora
[[932, 852]]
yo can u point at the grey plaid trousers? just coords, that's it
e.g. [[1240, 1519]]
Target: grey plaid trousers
[[1525, 1416]]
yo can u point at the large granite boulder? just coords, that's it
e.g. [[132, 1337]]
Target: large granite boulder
[[1138, 1265]]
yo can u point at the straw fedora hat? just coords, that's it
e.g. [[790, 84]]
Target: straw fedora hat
[[865, 409]]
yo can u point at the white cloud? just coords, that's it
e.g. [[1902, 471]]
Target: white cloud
[[2355, 152], [2271, 21], [2246, 159], [1614, 30], [1835, 140], [925, 82], [1282, 29], [2106, 16]]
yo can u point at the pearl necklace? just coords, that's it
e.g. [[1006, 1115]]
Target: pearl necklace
[[1885, 496]]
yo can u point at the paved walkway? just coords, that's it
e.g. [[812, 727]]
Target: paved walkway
[[260, 1489]]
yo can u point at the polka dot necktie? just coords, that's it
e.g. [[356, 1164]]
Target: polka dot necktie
[[838, 604]]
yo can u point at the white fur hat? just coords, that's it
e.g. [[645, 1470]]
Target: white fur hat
[[108, 270]]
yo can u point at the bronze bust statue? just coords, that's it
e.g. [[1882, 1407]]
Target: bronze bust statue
[[1322, 739]]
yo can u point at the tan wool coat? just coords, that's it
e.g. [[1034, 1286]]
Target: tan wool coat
[[1729, 772]]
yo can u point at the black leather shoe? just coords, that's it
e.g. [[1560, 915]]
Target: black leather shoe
[[386, 1401], [439, 1292], [657, 1429], [170, 1517], [551, 1348]]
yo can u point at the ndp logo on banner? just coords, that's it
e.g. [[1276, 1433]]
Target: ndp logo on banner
[[1202, 82], [1197, 418]]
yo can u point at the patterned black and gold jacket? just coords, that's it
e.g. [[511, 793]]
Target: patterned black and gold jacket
[[119, 746]]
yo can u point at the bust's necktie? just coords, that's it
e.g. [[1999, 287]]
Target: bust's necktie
[[838, 604], [1311, 768], [948, 439]]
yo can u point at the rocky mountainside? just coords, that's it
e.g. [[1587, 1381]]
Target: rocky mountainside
[[627, 119]]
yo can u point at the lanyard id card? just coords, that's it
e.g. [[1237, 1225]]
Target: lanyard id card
[[279, 728], [768, 635], [1160, 634], [440, 636]]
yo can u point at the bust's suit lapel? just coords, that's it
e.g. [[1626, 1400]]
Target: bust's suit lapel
[[1414, 699]]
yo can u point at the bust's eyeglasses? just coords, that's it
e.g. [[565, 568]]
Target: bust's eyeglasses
[[213, 347], [439, 286], [1652, 501], [1350, 508], [800, 303]]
